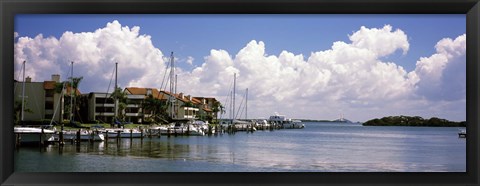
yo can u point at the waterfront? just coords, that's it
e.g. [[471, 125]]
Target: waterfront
[[320, 147]]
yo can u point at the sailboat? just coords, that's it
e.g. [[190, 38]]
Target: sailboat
[[239, 125], [31, 134], [120, 132], [84, 134]]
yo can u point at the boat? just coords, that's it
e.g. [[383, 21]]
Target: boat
[[187, 129], [33, 135], [85, 135], [281, 121], [124, 133], [244, 125], [462, 134], [262, 124], [27, 134]]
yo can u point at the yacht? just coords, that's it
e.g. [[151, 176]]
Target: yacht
[[281, 121]]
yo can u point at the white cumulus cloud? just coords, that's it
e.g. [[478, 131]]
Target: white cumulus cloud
[[351, 77], [94, 55], [442, 76]]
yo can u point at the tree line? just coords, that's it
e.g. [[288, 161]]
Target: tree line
[[413, 121]]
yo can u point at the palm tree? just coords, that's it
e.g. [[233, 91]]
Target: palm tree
[[121, 96], [152, 105], [216, 107], [75, 83]]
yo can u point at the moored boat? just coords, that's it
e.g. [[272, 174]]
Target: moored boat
[[85, 135], [124, 133], [262, 124], [33, 135], [462, 134], [285, 123]]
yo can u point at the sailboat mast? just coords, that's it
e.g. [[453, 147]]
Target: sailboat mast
[[246, 104], [23, 90], [114, 91], [172, 85], [234, 81], [71, 94]]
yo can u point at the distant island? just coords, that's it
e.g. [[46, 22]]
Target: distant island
[[413, 121]]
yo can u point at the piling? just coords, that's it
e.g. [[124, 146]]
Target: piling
[[118, 136], [61, 141], [42, 138], [72, 139], [17, 140], [78, 137], [168, 131], [188, 130], [106, 138], [92, 137]]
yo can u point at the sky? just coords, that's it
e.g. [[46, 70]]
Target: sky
[[302, 66]]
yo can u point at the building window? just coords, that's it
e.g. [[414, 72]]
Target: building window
[[49, 105], [49, 93]]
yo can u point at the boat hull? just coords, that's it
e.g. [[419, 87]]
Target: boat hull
[[33, 135], [124, 133], [84, 136]]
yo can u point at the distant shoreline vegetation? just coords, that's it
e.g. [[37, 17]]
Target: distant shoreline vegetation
[[413, 121]]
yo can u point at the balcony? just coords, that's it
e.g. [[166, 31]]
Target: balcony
[[104, 114], [105, 105], [133, 106], [133, 114]]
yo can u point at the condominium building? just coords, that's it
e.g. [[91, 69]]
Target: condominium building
[[42, 101]]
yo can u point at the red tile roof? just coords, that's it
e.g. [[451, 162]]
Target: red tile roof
[[143, 91], [49, 85]]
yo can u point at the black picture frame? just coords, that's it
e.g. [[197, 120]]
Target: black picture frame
[[9, 8]]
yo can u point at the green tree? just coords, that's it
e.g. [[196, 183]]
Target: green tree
[[121, 96], [77, 101], [217, 107], [17, 111], [152, 106]]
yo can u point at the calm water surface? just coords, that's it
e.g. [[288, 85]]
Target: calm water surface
[[320, 147]]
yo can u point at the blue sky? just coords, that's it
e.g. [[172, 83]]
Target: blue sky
[[196, 35]]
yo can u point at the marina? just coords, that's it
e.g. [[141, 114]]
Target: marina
[[130, 106], [324, 147]]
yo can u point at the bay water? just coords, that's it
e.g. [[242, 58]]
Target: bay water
[[319, 147]]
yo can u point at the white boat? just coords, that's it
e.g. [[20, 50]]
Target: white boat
[[85, 135], [195, 130], [244, 125], [186, 129], [165, 129], [203, 126], [30, 134], [156, 130], [282, 122], [262, 124], [462, 134], [124, 133], [33, 135]]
